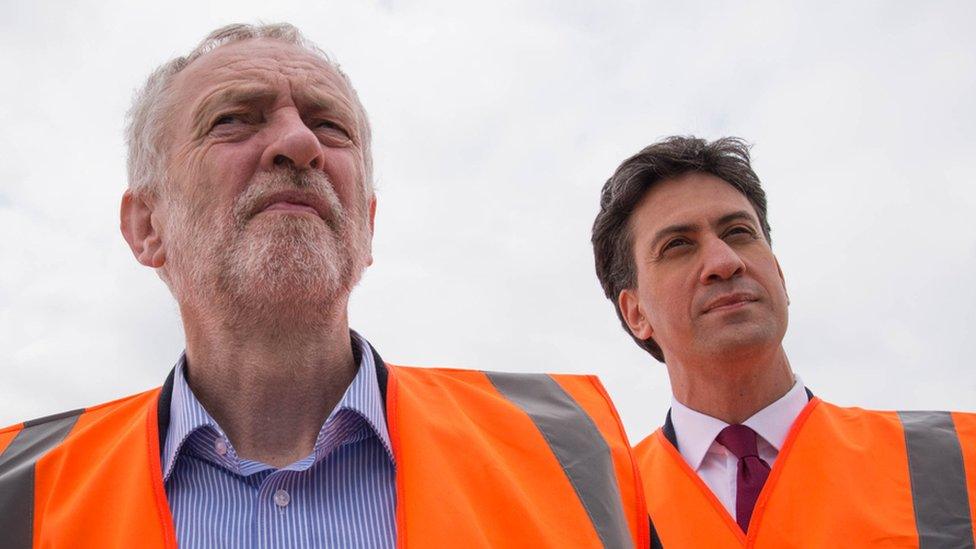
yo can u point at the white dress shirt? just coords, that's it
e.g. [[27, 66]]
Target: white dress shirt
[[717, 466]]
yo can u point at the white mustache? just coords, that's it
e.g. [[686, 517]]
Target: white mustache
[[313, 182]]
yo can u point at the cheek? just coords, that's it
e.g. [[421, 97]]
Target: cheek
[[671, 310], [672, 288], [346, 172], [658, 296], [773, 285], [233, 164], [222, 173]]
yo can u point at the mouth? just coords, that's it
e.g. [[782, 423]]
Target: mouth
[[290, 207], [729, 302], [293, 203]]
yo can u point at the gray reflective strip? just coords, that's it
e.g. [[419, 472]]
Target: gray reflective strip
[[578, 445], [17, 476], [938, 480]]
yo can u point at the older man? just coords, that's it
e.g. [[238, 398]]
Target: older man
[[747, 456], [250, 195]]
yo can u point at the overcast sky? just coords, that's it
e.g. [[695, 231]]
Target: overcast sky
[[495, 126]]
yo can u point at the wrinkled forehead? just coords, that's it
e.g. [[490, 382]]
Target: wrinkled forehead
[[256, 61]]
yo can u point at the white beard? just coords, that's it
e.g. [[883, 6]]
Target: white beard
[[269, 268]]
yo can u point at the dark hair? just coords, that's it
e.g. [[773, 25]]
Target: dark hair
[[726, 158]]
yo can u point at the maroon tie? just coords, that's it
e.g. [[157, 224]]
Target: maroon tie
[[752, 473]]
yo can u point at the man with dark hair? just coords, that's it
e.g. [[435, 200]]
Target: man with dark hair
[[250, 195], [747, 456]]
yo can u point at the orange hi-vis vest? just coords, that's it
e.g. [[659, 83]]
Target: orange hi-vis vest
[[845, 477], [483, 459]]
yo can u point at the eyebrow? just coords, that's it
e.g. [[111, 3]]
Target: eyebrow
[[237, 95], [250, 94], [741, 215], [315, 100], [681, 228]]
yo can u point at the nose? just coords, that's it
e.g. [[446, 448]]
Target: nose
[[720, 262], [292, 142]]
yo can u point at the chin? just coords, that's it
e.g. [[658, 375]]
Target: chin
[[297, 264], [279, 270], [741, 341], [288, 280], [277, 298]]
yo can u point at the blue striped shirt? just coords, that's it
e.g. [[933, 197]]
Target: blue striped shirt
[[341, 495]]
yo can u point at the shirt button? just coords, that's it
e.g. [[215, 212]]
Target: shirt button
[[281, 498], [220, 447]]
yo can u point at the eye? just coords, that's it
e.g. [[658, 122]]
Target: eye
[[227, 119], [675, 243], [741, 232], [333, 128]]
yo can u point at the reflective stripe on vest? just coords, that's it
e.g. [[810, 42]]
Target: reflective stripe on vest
[[510, 460], [577, 444], [17, 475], [101, 486], [942, 513], [844, 477]]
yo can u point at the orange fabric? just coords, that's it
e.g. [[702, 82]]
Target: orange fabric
[[788, 444], [684, 510], [842, 475], [8, 434], [847, 478], [591, 395], [966, 429], [515, 494], [101, 486]]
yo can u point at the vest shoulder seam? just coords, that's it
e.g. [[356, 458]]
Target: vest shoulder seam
[[892, 411], [78, 411], [121, 400], [52, 417], [450, 370]]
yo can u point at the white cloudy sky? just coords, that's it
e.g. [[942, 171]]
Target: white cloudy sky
[[495, 127]]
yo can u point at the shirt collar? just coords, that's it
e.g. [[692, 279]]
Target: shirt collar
[[362, 397], [363, 394], [186, 415], [774, 421], [696, 431]]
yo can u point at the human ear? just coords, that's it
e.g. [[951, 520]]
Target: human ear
[[633, 315], [372, 212], [372, 219], [782, 279], [137, 228]]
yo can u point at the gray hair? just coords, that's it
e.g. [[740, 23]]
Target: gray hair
[[146, 119]]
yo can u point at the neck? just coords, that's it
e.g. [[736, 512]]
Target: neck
[[272, 384], [732, 391]]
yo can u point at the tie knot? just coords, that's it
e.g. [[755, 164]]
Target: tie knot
[[740, 440]]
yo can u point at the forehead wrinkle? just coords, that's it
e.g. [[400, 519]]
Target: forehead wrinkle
[[271, 65], [315, 99], [233, 93], [308, 68], [206, 77], [308, 80]]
